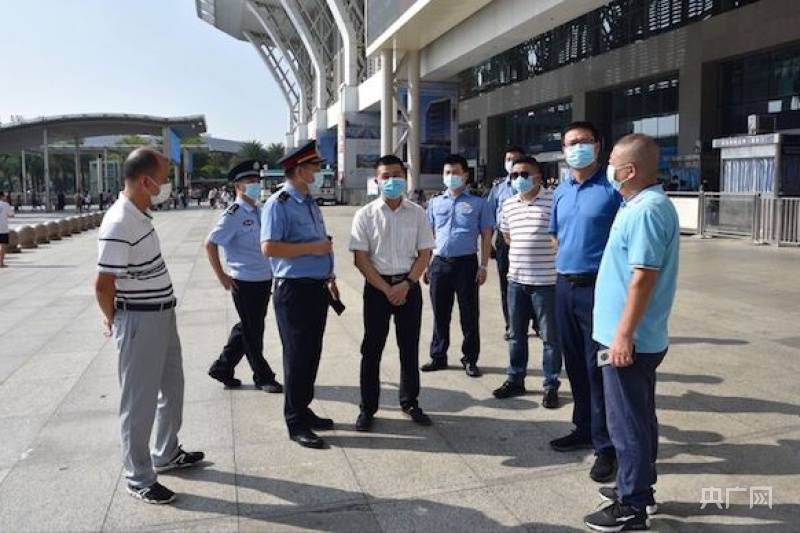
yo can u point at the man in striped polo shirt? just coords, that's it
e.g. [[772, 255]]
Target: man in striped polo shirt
[[135, 295], [531, 280]]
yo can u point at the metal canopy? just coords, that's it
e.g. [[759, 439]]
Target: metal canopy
[[30, 134]]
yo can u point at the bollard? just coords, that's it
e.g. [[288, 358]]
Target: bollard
[[98, 218], [53, 230], [40, 231], [74, 225], [90, 222], [13, 242], [64, 227], [84, 222], [27, 237]]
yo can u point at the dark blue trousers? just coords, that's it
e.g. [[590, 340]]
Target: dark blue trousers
[[501, 255], [451, 279], [631, 413], [574, 305], [301, 309]]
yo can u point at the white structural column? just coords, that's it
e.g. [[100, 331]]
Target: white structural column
[[25, 186], [46, 152], [387, 96], [412, 144], [320, 104], [77, 165], [347, 30]]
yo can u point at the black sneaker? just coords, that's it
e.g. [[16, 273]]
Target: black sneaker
[[181, 460], [156, 493], [270, 386], [618, 517], [550, 400], [610, 494], [509, 389], [418, 416], [434, 365], [604, 468], [571, 442], [364, 421], [230, 382]]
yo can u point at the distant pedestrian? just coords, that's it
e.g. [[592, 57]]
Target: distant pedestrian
[[87, 202], [6, 212], [78, 199], [212, 198], [18, 202], [134, 292], [60, 201]]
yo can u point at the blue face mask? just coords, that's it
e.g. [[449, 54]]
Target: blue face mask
[[393, 188], [253, 191], [453, 181], [522, 185], [580, 155]]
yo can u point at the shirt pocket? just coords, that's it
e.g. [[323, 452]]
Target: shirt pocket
[[406, 240]]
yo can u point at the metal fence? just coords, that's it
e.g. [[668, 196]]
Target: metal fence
[[765, 219]]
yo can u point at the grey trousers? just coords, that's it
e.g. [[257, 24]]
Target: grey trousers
[[151, 378]]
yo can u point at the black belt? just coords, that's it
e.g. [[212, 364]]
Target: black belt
[[580, 279], [128, 306], [302, 281], [457, 259], [394, 279]]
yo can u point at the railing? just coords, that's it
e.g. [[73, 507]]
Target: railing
[[763, 218]]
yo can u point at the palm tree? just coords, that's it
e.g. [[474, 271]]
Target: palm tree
[[252, 150]]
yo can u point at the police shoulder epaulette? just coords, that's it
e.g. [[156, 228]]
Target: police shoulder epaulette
[[283, 196], [232, 209]]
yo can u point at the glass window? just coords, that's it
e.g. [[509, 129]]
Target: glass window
[[538, 129]]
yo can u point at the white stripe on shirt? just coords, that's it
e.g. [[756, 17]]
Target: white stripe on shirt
[[531, 260]]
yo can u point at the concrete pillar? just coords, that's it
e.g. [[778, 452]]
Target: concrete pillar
[[105, 177], [413, 140], [387, 94], [46, 170], [25, 185], [77, 165], [100, 172]]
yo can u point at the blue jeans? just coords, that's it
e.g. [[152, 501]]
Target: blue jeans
[[631, 413], [525, 302]]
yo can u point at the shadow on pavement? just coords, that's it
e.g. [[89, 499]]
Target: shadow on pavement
[[708, 340], [782, 518]]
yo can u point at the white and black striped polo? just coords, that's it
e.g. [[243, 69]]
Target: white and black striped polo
[[129, 249], [531, 260]]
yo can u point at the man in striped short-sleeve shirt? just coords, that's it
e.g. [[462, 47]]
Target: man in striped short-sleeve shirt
[[531, 280], [135, 295]]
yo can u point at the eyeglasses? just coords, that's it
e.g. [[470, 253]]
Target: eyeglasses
[[515, 175]]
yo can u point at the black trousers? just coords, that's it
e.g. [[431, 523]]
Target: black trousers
[[246, 338], [501, 255], [451, 279], [407, 322], [301, 309]]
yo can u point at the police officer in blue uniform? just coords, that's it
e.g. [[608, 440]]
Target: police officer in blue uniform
[[502, 190], [457, 218], [238, 232], [294, 237]]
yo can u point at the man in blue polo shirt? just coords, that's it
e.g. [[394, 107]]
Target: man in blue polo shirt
[[584, 206], [633, 299]]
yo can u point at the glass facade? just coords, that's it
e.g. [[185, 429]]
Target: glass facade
[[469, 140], [760, 84], [538, 129], [611, 26]]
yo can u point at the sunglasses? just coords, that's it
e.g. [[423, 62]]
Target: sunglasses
[[515, 175]]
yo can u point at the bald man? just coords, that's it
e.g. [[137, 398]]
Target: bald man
[[135, 295], [633, 299]]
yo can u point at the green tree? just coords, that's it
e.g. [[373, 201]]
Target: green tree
[[133, 140], [252, 150], [275, 151]]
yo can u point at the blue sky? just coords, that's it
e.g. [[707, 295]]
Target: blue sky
[[133, 56]]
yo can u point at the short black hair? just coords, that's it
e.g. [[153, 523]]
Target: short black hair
[[141, 162], [514, 149], [528, 160], [455, 159], [580, 125], [390, 159]]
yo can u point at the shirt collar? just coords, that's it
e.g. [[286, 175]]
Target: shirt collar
[[294, 193], [601, 169], [383, 204], [129, 206], [242, 202], [656, 188]]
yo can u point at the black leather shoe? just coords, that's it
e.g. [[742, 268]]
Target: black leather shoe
[[509, 389], [418, 416], [307, 438], [550, 400], [229, 382], [571, 442], [472, 370], [320, 424], [270, 386], [364, 421], [434, 365], [605, 468]]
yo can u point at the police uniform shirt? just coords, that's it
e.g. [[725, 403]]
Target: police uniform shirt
[[130, 250], [393, 239], [238, 232], [292, 217], [457, 221], [501, 191]]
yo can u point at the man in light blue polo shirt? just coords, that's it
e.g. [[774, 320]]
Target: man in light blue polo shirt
[[583, 210], [633, 299], [457, 219]]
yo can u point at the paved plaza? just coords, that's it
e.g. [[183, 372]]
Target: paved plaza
[[728, 402]]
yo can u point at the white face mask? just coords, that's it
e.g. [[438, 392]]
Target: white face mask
[[315, 186], [163, 192]]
